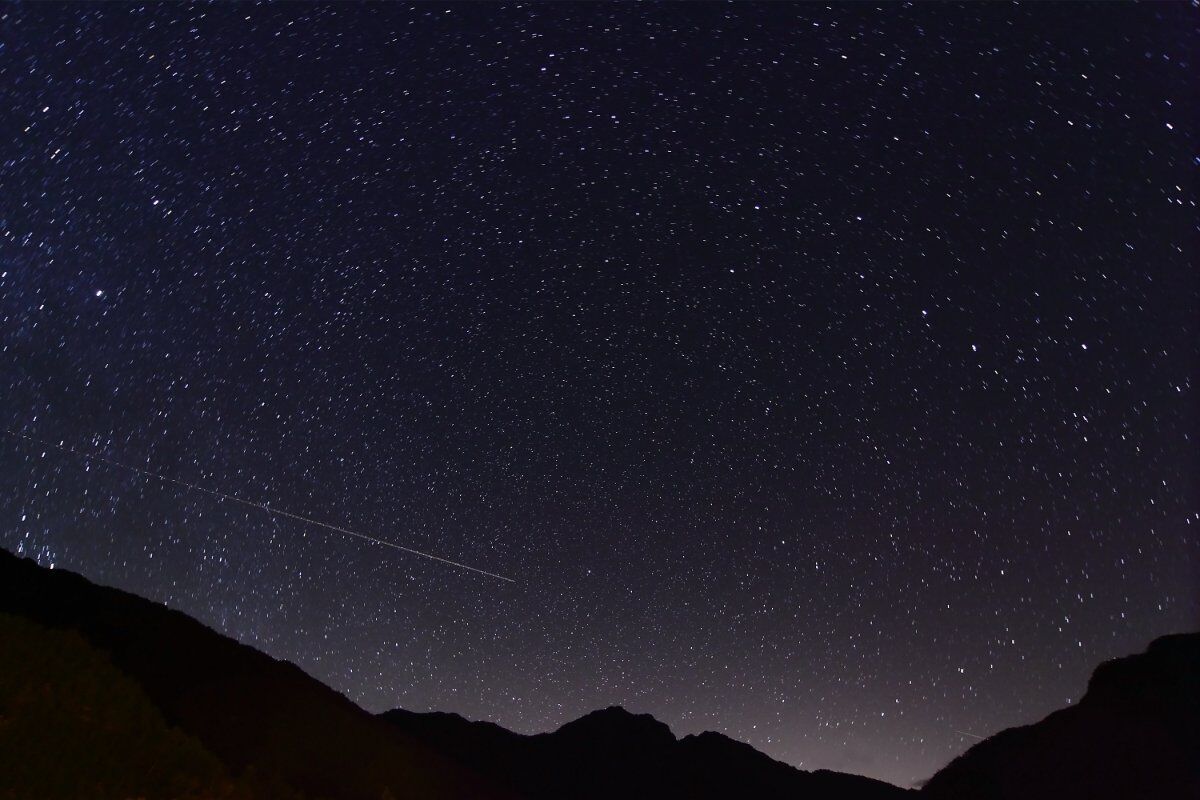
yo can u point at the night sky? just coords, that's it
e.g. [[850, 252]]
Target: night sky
[[822, 376]]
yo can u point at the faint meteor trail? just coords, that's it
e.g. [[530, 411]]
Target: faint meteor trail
[[965, 733], [252, 504]]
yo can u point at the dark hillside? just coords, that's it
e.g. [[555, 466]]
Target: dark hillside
[[63, 702], [1135, 734], [248, 709]]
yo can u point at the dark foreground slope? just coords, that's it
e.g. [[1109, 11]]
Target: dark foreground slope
[[258, 716], [613, 753], [1135, 734], [63, 702]]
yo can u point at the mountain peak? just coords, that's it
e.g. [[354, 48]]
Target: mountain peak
[[1165, 673], [617, 726]]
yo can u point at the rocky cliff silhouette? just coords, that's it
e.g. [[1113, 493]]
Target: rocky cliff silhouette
[[1134, 734]]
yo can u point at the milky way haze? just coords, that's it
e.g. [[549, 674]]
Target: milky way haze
[[825, 377]]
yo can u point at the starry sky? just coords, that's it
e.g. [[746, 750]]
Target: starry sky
[[824, 376]]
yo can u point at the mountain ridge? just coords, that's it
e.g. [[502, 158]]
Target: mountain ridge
[[279, 733], [259, 714], [577, 760]]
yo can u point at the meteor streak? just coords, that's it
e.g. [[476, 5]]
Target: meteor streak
[[260, 506]]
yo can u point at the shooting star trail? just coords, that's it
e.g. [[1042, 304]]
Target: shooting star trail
[[252, 504], [972, 735]]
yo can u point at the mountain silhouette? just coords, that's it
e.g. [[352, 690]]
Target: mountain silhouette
[[274, 732], [614, 753], [1134, 734], [105, 694]]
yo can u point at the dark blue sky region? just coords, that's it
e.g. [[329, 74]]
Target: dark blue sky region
[[822, 376]]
